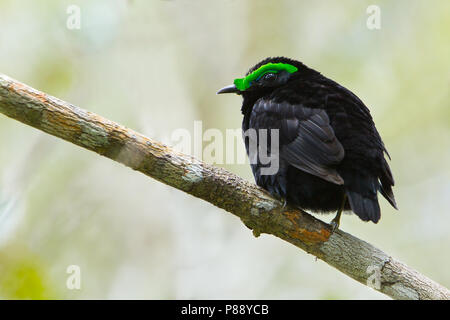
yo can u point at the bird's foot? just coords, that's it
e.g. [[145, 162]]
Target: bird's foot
[[335, 222], [334, 225]]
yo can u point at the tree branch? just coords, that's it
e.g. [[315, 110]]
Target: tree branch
[[256, 208]]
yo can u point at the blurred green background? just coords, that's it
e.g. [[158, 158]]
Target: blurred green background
[[155, 66]]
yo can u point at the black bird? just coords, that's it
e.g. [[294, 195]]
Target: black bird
[[331, 156]]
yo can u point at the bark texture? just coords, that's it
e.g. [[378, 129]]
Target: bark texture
[[256, 208]]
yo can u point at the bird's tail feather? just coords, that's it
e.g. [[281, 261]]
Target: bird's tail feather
[[362, 196], [368, 209], [386, 183]]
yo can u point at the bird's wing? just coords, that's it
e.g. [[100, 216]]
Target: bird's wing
[[306, 138]]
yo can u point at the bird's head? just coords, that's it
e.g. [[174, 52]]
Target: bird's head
[[267, 75]]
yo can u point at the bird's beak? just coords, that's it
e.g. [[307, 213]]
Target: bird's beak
[[229, 89]]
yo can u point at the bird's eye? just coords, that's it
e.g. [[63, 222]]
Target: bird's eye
[[269, 76]]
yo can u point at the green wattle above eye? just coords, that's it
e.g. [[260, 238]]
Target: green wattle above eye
[[244, 83]]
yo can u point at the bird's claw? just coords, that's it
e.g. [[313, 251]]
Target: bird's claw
[[334, 225]]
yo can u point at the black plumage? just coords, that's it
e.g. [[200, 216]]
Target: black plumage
[[331, 156]]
